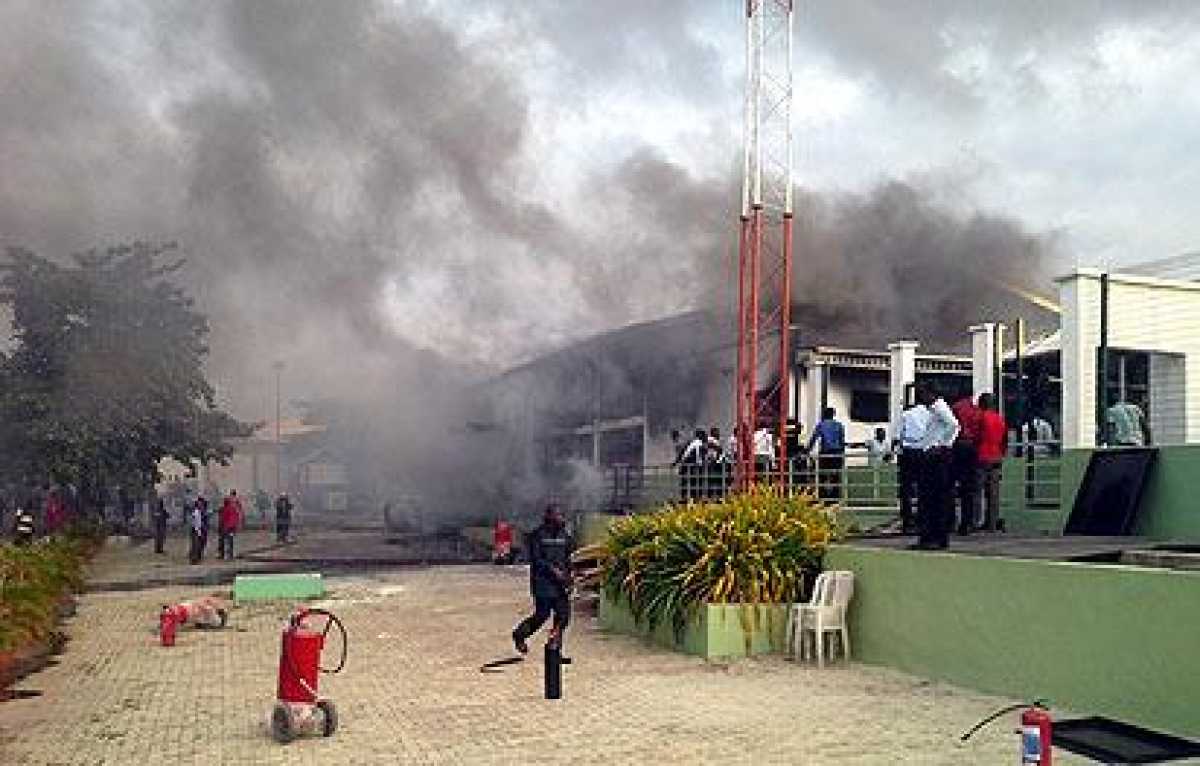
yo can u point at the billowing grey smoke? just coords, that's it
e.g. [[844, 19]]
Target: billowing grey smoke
[[892, 264], [354, 182]]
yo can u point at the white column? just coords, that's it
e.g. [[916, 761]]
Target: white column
[[1079, 295], [903, 373], [983, 358], [811, 406]]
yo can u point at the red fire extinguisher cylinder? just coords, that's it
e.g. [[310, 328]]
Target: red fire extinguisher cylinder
[[299, 663], [1037, 736], [167, 626]]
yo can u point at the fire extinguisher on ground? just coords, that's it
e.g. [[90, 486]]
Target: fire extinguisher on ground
[[205, 613], [1037, 731], [298, 702]]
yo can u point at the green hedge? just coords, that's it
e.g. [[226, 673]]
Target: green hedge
[[34, 579]]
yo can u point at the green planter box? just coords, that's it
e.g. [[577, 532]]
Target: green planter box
[[718, 631]]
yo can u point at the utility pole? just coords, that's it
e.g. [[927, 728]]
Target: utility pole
[[278, 367], [765, 243]]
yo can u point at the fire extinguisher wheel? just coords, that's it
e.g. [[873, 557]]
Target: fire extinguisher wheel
[[283, 728], [329, 717]]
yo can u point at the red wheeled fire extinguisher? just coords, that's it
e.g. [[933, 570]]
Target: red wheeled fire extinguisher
[[1037, 731], [297, 700]]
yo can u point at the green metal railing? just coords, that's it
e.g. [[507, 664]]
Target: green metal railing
[[1030, 484]]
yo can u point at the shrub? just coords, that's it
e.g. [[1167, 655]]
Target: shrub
[[755, 547], [33, 579]]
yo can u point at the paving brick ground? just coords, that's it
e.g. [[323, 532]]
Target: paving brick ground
[[130, 564], [412, 693]]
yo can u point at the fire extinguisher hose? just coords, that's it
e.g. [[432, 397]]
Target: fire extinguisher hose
[[1007, 709], [333, 620]]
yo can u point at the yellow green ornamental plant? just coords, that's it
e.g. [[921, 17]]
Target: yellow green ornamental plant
[[754, 547]]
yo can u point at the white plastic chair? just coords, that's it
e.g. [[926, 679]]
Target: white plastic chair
[[824, 613]]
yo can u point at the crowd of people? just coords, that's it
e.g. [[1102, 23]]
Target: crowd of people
[[948, 459], [231, 518], [52, 509], [705, 462], [946, 455]]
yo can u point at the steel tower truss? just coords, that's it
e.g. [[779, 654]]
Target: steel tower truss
[[765, 246]]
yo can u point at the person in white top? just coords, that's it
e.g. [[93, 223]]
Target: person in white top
[[934, 509], [764, 451], [691, 462], [914, 422]]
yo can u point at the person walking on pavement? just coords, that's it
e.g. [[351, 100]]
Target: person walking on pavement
[[283, 517], [832, 456], [965, 463], [914, 422], [550, 548], [993, 446], [934, 502], [159, 518], [198, 530], [262, 504], [228, 523]]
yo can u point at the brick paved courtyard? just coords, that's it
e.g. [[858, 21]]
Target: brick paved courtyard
[[413, 693]]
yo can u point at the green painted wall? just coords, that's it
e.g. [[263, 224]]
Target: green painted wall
[[1106, 640], [1171, 505], [720, 631]]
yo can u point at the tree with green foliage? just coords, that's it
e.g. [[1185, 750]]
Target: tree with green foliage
[[105, 372]]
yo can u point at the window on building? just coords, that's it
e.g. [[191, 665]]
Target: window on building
[[869, 406]]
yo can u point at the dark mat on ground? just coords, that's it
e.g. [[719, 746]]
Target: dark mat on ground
[[1109, 741]]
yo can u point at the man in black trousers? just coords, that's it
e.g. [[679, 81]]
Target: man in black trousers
[[935, 508], [550, 547]]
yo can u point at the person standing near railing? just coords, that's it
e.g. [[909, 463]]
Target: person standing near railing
[[832, 456], [764, 452], [993, 446], [714, 464], [691, 462], [965, 463], [914, 422], [934, 505], [879, 453]]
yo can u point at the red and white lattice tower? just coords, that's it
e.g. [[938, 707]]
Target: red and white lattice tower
[[765, 247]]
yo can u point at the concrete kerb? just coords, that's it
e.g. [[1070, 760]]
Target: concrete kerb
[[279, 566]]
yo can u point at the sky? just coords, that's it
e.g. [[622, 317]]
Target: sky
[[367, 182]]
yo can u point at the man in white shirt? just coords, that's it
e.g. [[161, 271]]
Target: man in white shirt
[[934, 506], [910, 438], [764, 451], [691, 461]]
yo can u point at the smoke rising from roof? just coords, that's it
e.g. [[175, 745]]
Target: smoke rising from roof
[[353, 182]]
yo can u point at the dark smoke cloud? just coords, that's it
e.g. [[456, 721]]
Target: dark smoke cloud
[[892, 264], [353, 182]]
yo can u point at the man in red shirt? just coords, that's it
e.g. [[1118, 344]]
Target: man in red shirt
[[965, 465], [993, 446], [230, 521]]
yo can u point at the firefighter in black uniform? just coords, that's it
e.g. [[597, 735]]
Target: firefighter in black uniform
[[550, 548]]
